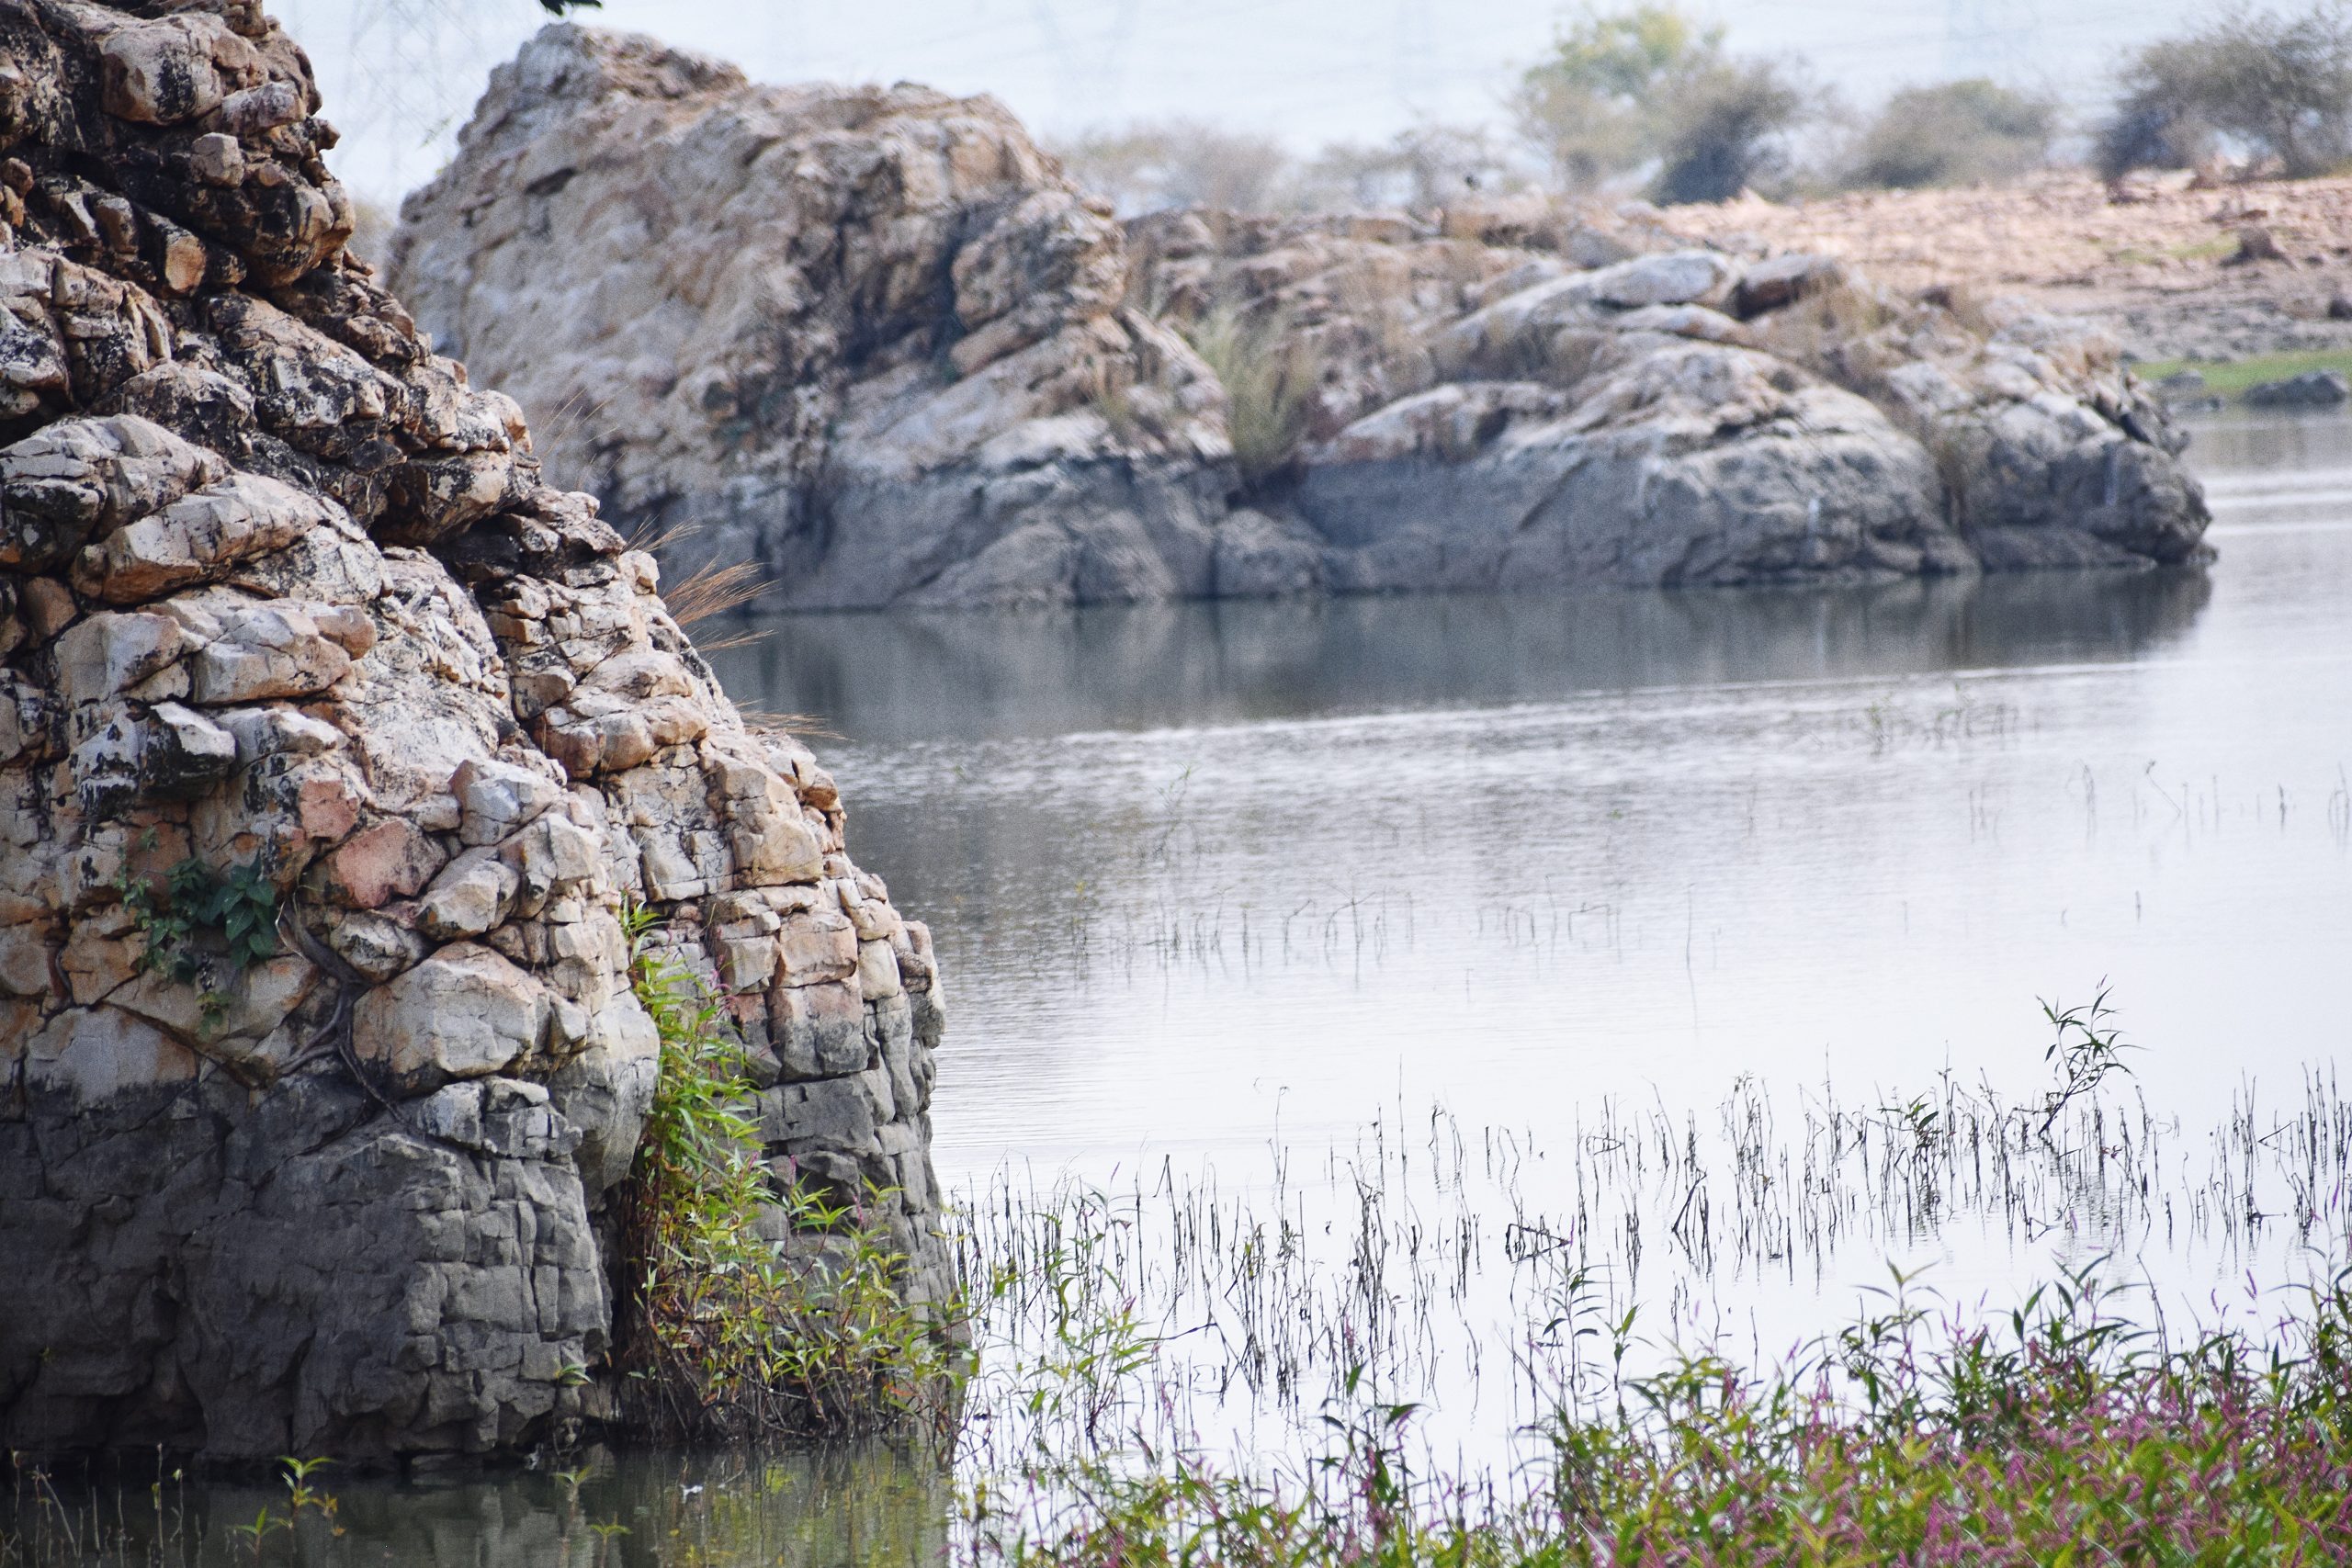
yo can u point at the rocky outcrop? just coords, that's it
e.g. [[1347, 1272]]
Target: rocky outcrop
[[863, 336], [333, 744], [875, 343], [1487, 414]]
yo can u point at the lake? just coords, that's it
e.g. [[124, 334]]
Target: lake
[[1200, 873], [1480, 938]]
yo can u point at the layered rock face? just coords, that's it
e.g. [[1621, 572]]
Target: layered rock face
[[865, 337], [1487, 413], [873, 341], [334, 745]]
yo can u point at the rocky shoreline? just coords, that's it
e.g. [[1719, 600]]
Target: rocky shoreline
[[874, 341], [333, 744]]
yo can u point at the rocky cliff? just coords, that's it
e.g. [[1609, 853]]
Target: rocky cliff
[[864, 336], [874, 342], [333, 745]]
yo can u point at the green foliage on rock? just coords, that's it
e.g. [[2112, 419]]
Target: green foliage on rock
[[196, 913], [752, 1307]]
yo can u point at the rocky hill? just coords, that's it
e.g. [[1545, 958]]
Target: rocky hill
[[2161, 265], [333, 743], [864, 335], [874, 341]]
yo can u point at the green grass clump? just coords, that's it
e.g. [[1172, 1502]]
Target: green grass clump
[[2232, 378], [727, 1334]]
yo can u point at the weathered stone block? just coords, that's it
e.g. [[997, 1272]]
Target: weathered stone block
[[114, 651], [391, 859], [817, 945], [834, 1114], [463, 1012], [495, 798], [274, 650], [877, 971], [472, 893], [200, 535], [816, 1030], [96, 1053]]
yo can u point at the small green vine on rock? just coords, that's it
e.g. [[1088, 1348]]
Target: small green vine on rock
[[196, 913]]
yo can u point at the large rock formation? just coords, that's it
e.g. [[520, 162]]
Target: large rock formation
[[333, 745], [863, 336], [873, 341], [1487, 413]]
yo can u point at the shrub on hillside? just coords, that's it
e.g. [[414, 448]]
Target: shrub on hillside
[[1720, 130], [1950, 134], [2274, 88], [1269, 379], [1648, 89]]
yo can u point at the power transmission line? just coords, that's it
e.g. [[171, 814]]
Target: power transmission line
[[415, 68]]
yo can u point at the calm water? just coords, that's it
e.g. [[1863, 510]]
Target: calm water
[[1219, 883], [1200, 873]]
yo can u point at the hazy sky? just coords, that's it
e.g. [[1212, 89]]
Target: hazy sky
[[399, 74]]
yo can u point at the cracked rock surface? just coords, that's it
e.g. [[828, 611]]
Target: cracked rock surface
[[283, 596], [874, 340]]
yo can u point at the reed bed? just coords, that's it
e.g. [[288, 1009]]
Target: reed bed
[[1449, 1344], [1300, 1371]]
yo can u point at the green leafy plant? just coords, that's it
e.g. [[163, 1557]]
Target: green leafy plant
[[195, 914], [729, 1333], [2085, 1051]]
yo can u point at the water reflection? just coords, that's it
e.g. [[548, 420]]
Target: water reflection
[[895, 677], [1206, 872], [849, 1505]]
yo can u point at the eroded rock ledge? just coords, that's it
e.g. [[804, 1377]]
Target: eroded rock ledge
[[875, 340], [281, 594]]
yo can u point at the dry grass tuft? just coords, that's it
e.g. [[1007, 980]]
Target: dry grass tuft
[[712, 590], [1269, 379]]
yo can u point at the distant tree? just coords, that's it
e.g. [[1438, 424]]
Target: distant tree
[[1954, 133], [1148, 167], [1587, 107], [1648, 88], [1720, 130], [2274, 87]]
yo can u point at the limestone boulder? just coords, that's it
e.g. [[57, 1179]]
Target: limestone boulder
[[465, 1012], [978, 391], [866, 417]]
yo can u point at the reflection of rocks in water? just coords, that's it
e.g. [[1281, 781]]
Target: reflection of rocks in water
[[2112, 615], [879, 678], [842, 1506]]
